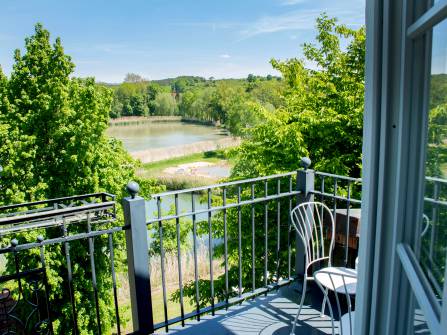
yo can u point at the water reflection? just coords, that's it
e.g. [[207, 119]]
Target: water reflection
[[153, 135]]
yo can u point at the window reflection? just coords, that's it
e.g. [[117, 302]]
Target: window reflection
[[434, 221]]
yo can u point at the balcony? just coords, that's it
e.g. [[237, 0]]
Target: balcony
[[220, 259]]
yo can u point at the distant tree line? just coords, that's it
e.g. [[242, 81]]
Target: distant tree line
[[231, 102]]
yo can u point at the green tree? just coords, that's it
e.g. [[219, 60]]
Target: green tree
[[53, 144], [133, 78], [180, 85], [165, 104], [186, 104], [152, 90], [139, 105], [323, 111]]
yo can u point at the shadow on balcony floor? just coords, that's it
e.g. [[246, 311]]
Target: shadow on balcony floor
[[271, 314]]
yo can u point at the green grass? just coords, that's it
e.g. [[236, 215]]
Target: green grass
[[154, 169], [157, 308], [173, 182]]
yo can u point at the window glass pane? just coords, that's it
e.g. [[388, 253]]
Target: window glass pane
[[434, 222]]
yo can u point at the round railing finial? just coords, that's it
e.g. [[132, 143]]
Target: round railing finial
[[133, 188], [14, 243], [40, 238], [305, 162]]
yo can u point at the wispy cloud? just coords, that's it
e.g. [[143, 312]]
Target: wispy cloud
[[292, 2], [110, 47], [121, 49], [301, 20], [214, 25], [226, 56]]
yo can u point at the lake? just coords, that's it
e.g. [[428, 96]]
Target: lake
[[157, 135], [184, 202]]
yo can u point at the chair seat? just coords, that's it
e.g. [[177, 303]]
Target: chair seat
[[346, 324], [334, 281]]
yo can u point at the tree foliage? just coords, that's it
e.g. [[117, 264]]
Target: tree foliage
[[323, 111], [53, 144], [165, 104]]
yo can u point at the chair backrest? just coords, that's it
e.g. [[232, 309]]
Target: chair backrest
[[342, 284], [426, 224], [307, 219]]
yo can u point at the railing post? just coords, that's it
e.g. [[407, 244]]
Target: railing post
[[138, 261], [305, 183]]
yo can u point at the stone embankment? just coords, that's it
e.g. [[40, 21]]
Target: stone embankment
[[126, 120]]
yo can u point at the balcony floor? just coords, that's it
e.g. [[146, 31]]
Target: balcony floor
[[271, 314]]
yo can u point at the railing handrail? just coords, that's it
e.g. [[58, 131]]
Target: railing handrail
[[221, 185], [436, 179], [331, 175], [56, 213], [227, 206], [52, 201]]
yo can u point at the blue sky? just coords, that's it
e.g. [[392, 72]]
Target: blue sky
[[159, 39]]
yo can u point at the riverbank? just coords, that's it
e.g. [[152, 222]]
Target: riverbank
[[128, 120], [132, 120], [160, 154], [194, 170]]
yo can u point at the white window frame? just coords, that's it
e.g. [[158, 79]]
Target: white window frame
[[395, 131]]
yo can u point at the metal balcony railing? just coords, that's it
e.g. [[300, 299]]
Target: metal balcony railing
[[242, 228], [25, 304], [261, 205]]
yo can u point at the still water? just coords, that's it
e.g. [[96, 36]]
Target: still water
[[184, 202], [153, 135]]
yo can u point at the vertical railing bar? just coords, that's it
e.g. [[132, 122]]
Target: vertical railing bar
[[36, 296], [297, 186], [239, 222], [196, 271], [266, 235], [297, 237], [91, 249], [322, 201], [162, 264], [45, 282], [179, 259], [114, 206], [70, 278], [210, 247], [115, 290], [289, 231], [14, 244], [253, 253], [435, 211], [224, 202], [335, 210], [278, 225], [348, 222]]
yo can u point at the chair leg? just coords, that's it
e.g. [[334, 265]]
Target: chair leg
[[303, 295], [324, 303]]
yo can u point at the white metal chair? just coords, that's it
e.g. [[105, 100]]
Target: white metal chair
[[307, 219], [342, 284]]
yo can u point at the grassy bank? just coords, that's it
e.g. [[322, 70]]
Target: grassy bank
[[132, 120], [155, 169], [171, 277]]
